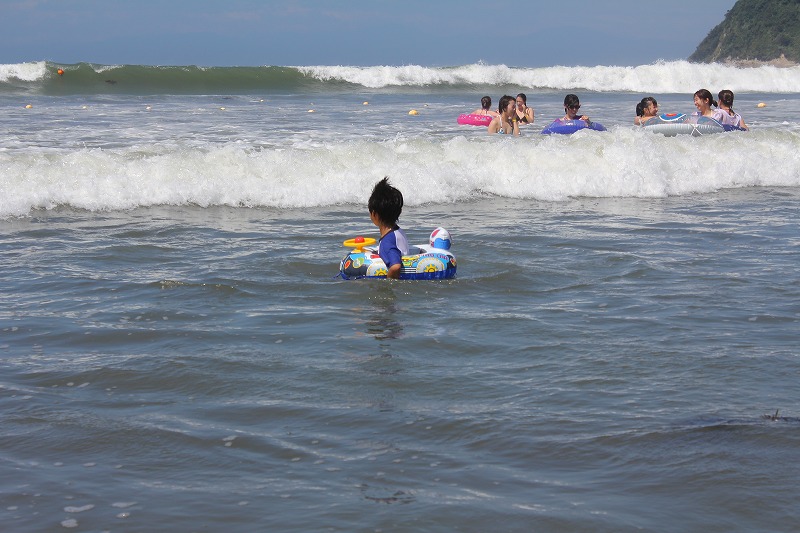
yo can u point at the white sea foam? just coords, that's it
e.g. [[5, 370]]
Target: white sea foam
[[660, 77], [624, 162], [123, 505], [32, 71], [104, 68], [74, 509]]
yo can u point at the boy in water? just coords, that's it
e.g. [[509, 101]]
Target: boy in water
[[385, 205]]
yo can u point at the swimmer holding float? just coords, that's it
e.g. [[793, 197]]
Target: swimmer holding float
[[571, 107], [486, 108], [571, 121], [393, 257]]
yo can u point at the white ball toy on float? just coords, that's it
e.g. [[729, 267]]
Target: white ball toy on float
[[440, 238]]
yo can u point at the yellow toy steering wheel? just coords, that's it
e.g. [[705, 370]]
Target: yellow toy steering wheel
[[358, 243]]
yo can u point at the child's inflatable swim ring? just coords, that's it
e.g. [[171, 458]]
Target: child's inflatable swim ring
[[474, 120], [568, 127], [424, 261], [672, 124]]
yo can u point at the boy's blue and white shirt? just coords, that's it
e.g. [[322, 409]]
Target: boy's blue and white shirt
[[392, 247]]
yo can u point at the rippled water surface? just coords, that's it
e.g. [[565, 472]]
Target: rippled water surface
[[177, 353], [597, 365]]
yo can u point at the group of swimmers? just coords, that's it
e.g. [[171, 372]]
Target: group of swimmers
[[721, 111], [386, 202], [513, 112]]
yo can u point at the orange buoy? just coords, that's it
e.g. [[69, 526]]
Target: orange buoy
[[60, 72]]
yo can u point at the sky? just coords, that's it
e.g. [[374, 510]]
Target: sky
[[432, 33]]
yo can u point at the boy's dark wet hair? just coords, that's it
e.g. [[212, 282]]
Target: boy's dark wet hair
[[386, 202]]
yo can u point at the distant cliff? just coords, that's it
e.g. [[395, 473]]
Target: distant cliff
[[761, 30]]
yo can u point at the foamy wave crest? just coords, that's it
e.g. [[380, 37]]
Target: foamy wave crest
[[624, 162], [23, 71], [100, 69], [661, 77], [675, 77], [412, 75]]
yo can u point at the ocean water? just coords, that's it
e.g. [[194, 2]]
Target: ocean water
[[619, 350]]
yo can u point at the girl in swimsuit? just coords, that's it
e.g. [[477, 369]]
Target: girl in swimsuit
[[486, 104], [524, 113], [505, 123], [703, 100], [571, 106], [729, 116], [645, 110]]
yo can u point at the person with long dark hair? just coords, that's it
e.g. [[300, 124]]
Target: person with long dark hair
[[525, 114], [486, 108], [505, 123], [645, 110], [729, 116], [705, 104]]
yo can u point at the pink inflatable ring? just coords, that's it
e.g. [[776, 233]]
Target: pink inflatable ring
[[474, 120]]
